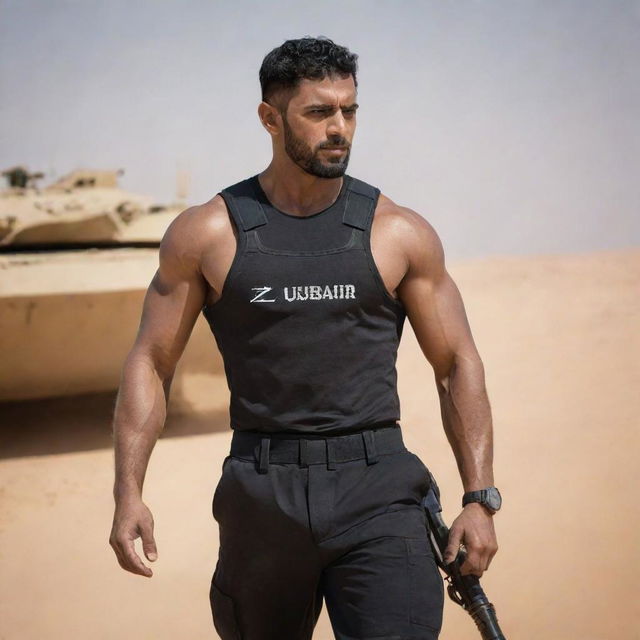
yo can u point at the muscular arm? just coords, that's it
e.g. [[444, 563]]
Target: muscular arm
[[171, 306], [436, 312]]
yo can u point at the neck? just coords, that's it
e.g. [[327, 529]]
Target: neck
[[296, 192]]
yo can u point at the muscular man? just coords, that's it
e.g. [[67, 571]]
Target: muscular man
[[306, 275]]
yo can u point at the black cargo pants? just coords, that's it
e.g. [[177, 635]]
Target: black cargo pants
[[339, 518]]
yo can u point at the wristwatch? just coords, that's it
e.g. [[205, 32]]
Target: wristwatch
[[489, 498]]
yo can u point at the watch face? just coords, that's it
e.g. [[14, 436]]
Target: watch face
[[493, 499]]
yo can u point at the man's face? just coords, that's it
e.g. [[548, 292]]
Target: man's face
[[319, 125]]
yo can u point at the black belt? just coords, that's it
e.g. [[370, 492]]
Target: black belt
[[366, 443]]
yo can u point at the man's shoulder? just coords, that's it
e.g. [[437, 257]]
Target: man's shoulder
[[403, 224], [203, 223], [201, 218], [196, 229]]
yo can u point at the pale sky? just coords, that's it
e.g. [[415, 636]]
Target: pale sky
[[511, 125]]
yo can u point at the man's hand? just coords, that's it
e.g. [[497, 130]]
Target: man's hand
[[132, 519], [473, 528]]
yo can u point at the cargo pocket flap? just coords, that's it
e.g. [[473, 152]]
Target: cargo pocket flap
[[426, 587], [418, 547], [224, 614]]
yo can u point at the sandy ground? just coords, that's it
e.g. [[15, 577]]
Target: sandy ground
[[560, 340]]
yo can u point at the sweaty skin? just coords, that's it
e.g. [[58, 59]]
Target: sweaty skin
[[195, 256]]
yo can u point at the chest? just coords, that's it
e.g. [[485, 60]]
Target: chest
[[327, 275]]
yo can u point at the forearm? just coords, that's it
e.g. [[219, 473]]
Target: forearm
[[139, 417], [466, 417]]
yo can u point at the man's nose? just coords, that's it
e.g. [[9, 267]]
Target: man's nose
[[336, 125]]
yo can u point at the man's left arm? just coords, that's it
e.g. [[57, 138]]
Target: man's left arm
[[436, 312]]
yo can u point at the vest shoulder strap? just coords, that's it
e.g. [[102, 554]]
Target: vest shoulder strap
[[247, 211], [361, 203], [241, 200]]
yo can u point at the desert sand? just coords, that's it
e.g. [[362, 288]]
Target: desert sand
[[559, 337]]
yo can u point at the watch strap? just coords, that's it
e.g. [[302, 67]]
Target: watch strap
[[474, 496]]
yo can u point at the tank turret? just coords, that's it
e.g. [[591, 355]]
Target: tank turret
[[84, 207]]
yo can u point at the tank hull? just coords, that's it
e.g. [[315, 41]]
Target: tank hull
[[69, 318]]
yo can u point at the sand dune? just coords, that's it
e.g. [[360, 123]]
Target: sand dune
[[560, 342]]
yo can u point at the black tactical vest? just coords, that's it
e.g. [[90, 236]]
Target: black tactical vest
[[307, 330]]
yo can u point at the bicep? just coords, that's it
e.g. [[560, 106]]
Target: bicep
[[171, 305], [433, 303]]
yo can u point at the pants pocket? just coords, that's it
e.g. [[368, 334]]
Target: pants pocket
[[216, 493], [426, 595], [425, 478], [224, 614]]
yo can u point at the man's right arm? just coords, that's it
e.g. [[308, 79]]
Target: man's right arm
[[171, 306]]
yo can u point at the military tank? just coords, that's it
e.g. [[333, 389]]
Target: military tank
[[85, 207], [76, 257]]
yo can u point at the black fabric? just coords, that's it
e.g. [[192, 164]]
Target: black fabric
[[307, 331], [346, 529], [285, 231]]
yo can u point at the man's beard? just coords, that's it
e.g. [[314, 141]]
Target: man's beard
[[308, 160]]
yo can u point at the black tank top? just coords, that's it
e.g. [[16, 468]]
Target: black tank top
[[307, 330]]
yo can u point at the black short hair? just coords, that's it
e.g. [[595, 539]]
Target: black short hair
[[305, 58]]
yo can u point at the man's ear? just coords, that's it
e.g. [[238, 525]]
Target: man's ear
[[269, 117]]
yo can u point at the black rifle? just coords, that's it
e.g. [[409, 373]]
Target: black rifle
[[463, 590]]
